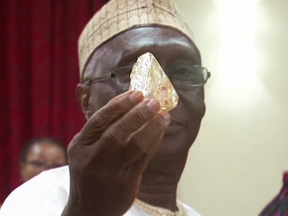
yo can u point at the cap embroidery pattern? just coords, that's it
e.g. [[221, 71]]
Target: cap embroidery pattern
[[120, 15]]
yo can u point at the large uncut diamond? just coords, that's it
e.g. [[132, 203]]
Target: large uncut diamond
[[148, 77]]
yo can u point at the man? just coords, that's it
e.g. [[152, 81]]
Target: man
[[128, 158]]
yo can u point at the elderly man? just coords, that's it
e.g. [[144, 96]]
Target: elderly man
[[128, 158]]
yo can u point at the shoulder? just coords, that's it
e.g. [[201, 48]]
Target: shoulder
[[45, 194]]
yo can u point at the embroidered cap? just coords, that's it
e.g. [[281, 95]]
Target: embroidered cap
[[120, 15]]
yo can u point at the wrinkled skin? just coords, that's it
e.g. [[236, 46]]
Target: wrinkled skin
[[126, 150]]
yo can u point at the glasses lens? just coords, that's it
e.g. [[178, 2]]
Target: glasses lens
[[188, 76], [122, 76], [37, 164]]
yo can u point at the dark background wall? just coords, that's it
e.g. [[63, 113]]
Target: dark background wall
[[38, 75]]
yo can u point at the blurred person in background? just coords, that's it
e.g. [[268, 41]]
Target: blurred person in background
[[278, 206], [41, 154]]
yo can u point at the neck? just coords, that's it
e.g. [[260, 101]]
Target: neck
[[163, 196], [159, 183]]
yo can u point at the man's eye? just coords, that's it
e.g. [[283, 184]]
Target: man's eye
[[122, 76], [37, 163], [182, 73]]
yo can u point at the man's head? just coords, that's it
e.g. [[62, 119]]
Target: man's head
[[41, 154], [173, 47], [120, 15]]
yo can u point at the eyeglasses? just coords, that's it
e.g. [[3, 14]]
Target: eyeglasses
[[42, 165], [181, 76]]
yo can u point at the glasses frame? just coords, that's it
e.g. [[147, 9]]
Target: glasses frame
[[193, 85], [41, 165], [113, 75]]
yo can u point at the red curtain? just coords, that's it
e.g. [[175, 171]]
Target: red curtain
[[39, 72]]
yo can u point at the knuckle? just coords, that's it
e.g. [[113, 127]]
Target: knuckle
[[157, 124], [136, 145], [114, 135], [98, 122], [138, 118], [141, 114], [118, 106]]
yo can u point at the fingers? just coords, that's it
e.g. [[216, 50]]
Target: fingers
[[145, 142], [108, 114], [116, 135], [121, 119]]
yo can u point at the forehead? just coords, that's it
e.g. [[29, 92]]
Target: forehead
[[164, 43], [44, 146]]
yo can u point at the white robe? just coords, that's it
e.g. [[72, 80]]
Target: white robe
[[47, 195]]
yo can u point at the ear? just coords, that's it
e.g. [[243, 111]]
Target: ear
[[83, 96]]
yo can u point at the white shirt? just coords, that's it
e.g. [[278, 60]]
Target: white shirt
[[47, 195]]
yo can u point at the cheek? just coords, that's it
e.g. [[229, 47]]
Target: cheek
[[195, 109], [101, 94], [28, 172], [60, 161], [194, 104]]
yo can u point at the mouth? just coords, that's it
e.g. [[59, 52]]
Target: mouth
[[174, 127]]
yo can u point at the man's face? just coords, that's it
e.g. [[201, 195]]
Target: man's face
[[170, 48]]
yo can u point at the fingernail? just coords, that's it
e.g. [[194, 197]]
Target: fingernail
[[136, 97], [166, 115], [153, 105]]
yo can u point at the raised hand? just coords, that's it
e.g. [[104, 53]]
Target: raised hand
[[108, 156]]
